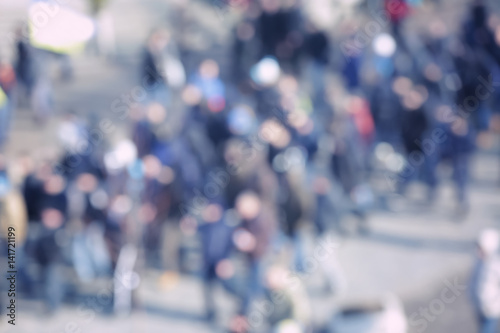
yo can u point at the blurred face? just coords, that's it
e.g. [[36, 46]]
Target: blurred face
[[147, 213], [288, 85], [54, 185], [43, 172], [413, 100], [87, 183], [270, 6], [52, 218], [245, 31], [244, 240], [402, 85], [233, 152], [212, 213], [275, 133], [121, 205], [27, 165], [460, 127], [156, 113], [159, 40], [433, 73], [152, 166], [443, 114], [275, 277], [224, 269], [191, 95], [166, 176], [209, 69], [248, 205], [137, 113], [321, 185]]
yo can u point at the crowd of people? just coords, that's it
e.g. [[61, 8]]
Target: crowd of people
[[246, 156]]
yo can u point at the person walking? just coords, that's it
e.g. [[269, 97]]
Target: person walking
[[486, 282]]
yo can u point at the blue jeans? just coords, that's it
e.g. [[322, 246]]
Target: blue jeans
[[210, 279], [324, 213], [53, 289], [487, 325], [254, 284], [5, 118], [461, 175]]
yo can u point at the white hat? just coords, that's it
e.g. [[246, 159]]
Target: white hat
[[489, 241]]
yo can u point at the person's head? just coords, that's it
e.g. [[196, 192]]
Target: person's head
[[234, 153], [22, 31], [26, 163], [248, 205], [44, 170], [52, 218], [275, 133], [137, 113], [209, 69], [288, 85], [415, 98], [192, 95], [276, 277], [245, 31], [488, 242], [270, 6], [158, 40], [460, 126], [86, 182], [212, 213], [156, 113], [152, 166], [54, 185]]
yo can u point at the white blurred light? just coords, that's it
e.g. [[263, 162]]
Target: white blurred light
[[384, 45], [395, 162], [383, 150], [266, 72], [58, 29], [71, 137], [289, 326], [130, 280], [174, 72], [489, 241], [123, 155], [350, 2]]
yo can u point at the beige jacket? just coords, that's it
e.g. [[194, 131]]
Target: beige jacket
[[13, 214]]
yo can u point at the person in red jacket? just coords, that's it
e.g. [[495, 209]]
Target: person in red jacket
[[7, 84], [397, 10]]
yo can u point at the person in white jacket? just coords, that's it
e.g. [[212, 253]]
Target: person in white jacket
[[486, 281]]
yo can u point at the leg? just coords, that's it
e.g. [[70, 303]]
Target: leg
[[208, 293], [254, 285], [460, 175], [487, 325]]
